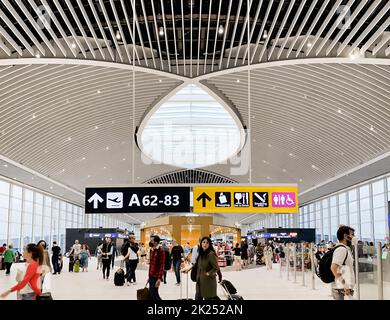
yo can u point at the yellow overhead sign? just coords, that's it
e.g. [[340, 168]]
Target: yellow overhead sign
[[246, 199]]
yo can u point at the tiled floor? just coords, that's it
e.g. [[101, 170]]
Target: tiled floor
[[254, 283]]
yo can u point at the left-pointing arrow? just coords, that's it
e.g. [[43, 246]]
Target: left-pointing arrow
[[96, 199]]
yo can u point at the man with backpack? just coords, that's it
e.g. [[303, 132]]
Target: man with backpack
[[336, 266]]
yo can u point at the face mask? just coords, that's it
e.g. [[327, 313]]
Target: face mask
[[151, 244]]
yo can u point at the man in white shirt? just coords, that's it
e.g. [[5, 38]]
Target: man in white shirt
[[342, 264], [76, 249]]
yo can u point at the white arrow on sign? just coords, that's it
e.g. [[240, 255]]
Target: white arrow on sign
[[95, 198]]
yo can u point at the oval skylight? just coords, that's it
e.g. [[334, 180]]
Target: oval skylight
[[191, 130]]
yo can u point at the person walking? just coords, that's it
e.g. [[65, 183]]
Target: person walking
[[342, 264], [34, 256], [75, 252], [114, 254], [45, 265], [55, 257], [156, 267], [2, 250], [131, 259], [237, 258], [168, 261], [178, 255], [84, 256], [207, 269], [143, 253], [98, 255], [8, 258], [268, 253], [107, 251], [244, 254]]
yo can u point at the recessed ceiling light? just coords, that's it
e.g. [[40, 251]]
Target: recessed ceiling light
[[221, 29], [110, 179], [138, 178], [309, 45], [339, 111], [118, 35], [96, 127], [104, 167], [290, 154], [128, 171], [6, 165], [300, 180], [269, 178], [83, 158], [160, 80], [107, 148], [14, 178], [99, 91], [284, 170], [63, 170], [124, 159], [161, 32], [89, 176], [37, 55], [34, 116], [70, 138], [269, 145], [32, 178], [372, 128], [265, 34], [73, 45], [51, 188], [238, 80], [292, 129]]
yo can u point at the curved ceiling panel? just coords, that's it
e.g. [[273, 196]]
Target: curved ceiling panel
[[193, 38], [312, 122], [74, 123]]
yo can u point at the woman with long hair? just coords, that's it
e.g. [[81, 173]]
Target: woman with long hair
[[34, 257], [107, 250], [207, 269], [45, 266], [84, 256]]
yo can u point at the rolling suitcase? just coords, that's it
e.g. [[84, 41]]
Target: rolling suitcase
[[181, 289], [230, 290]]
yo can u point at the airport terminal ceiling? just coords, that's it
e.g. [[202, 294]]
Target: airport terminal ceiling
[[311, 88]]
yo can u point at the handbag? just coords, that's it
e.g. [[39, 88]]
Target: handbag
[[143, 294], [45, 286]]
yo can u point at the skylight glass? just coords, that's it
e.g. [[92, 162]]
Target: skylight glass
[[191, 130]]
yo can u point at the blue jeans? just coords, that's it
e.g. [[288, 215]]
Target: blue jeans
[[176, 268], [153, 291]]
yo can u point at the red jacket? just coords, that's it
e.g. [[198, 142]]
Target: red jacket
[[157, 261], [32, 277]]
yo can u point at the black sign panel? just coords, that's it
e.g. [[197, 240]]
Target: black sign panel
[[260, 199], [137, 199]]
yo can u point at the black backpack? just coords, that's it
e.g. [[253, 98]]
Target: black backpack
[[324, 272], [119, 277]]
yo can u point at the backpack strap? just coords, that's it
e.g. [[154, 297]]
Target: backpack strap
[[346, 256]]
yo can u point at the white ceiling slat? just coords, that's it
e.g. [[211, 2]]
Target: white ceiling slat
[[183, 35], [11, 41], [69, 25], [4, 47], [113, 35], [275, 41], [132, 35], [336, 24], [295, 39], [174, 36], [199, 33], [157, 37], [139, 31], [26, 29], [355, 30], [312, 25], [119, 26], [387, 52], [206, 54], [91, 29], [375, 36], [16, 32], [378, 17], [101, 29], [252, 30], [243, 33], [81, 28], [294, 22], [147, 31], [37, 28], [166, 36], [191, 8], [216, 35], [325, 24], [259, 36], [225, 34], [346, 26], [234, 32], [59, 27], [272, 29], [381, 44]]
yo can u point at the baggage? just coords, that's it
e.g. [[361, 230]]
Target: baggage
[[181, 289], [228, 288], [143, 294], [71, 264], [119, 277], [324, 272], [76, 267]]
